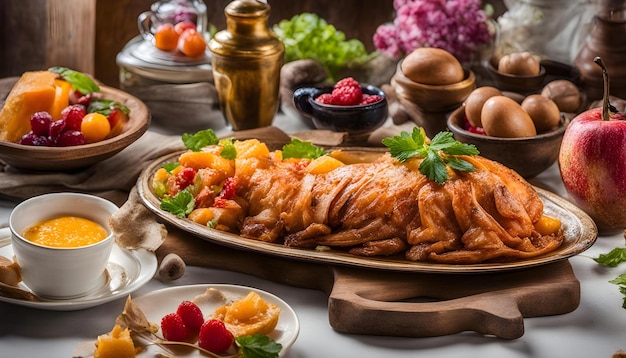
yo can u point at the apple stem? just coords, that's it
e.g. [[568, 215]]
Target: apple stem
[[607, 108]]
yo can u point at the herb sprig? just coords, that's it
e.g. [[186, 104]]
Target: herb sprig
[[299, 149], [79, 81], [442, 151], [613, 259]]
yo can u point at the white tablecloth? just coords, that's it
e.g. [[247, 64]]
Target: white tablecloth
[[597, 328]]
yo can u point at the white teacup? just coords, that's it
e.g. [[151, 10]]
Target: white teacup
[[62, 273]]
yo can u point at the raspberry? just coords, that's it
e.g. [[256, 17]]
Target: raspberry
[[215, 337], [174, 329], [191, 315], [347, 92], [325, 98], [73, 116], [369, 99], [348, 82]]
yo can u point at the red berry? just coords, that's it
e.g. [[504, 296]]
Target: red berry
[[348, 82], [215, 337], [369, 99], [33, 139], [174, 329], [191, 315], [70, 138], [73, 116], [40, 123], [56, 128], [84, 100], [325, 98], [347, 92], [185, 177]]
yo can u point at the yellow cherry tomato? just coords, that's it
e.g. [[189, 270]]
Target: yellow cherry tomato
[[95, 127]]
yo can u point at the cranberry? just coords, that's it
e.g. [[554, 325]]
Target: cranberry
[[40, 123], [70, 138]]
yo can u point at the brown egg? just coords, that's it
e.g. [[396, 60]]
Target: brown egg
[[432, 66], [475, 101], [503, 117], [564, 93], [543, 111], [519, 64]]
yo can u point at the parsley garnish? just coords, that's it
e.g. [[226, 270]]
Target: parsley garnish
[[258, 346], [180, 205], [200, 139], [621, 282], [79, 81], [613, 258], [441, 151], [299, 149]]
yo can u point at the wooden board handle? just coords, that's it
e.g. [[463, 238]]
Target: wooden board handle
[[426, 305]]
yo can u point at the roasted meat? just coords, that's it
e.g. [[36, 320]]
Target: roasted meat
[[387, 208]]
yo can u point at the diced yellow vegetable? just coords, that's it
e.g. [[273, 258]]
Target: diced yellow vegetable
[[199, 160], [251, 148], [547, 225], [201, 216], [322, 165]]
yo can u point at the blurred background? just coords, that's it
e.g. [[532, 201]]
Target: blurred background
[[86, 35]]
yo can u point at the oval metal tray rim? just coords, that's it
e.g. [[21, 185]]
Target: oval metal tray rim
[[579, 222]]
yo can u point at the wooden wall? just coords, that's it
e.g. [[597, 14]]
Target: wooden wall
[[86, 35]]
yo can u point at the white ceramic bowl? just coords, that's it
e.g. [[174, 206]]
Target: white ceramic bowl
[[62, 273]]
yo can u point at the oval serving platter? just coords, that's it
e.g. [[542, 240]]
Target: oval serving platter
[[579, 234]]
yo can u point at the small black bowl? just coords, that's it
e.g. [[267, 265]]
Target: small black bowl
[[358, 121]]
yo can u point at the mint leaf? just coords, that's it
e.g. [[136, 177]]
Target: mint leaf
[[258, 346], [180, 205], [79, 81], [613, 258], [438, 155], [105, 106], [200, 139], [299, 149]]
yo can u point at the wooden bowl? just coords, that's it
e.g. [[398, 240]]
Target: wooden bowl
[[34, 158], [433, 98], [527, 156], [521, 84]]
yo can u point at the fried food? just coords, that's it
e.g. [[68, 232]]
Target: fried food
[[385, 208]]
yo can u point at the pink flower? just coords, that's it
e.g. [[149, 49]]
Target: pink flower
[[457, 26]]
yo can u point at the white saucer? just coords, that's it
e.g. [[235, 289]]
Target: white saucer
[[127, 271], [158, 303]]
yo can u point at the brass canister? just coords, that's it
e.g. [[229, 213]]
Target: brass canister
[[246, 59]]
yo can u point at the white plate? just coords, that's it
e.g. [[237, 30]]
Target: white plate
[[158, 303], [127, 271]]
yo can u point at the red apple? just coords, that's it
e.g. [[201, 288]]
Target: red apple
[[592, 161]]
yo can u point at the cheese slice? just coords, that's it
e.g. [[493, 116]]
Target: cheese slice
[[33, 92]]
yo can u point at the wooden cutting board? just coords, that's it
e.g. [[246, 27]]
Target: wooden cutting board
[[379, 302]]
